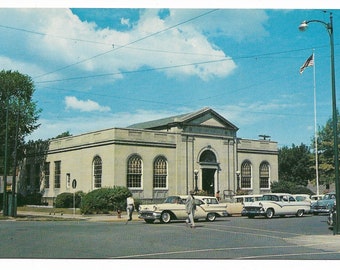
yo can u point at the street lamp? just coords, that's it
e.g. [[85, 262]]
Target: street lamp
[[238, 180], [196, 178], [329, 27]]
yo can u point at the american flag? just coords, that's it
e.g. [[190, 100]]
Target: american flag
[[309, 62]]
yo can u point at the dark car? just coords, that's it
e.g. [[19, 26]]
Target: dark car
[[324, 205]]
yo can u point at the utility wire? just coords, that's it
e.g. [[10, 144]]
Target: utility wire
[[126, 45]]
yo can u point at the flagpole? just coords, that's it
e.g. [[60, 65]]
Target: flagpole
[[315, 132]]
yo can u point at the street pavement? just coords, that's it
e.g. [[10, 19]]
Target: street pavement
[[326, 242]]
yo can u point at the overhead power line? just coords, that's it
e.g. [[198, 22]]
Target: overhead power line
[[130, 43]]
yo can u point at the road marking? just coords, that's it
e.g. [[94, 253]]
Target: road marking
[[225, 230], [194, 251], [289, 254]]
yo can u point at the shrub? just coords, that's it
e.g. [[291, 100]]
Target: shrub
[[65, 200], [33, 198], [289, 187], [105, 199]]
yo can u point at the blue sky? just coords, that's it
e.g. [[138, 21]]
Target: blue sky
[[97, 68]]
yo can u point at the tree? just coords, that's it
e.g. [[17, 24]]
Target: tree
[[296, 164], [16, 105], [326, 152]]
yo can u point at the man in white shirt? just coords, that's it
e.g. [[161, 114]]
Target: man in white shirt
[[130, 207]]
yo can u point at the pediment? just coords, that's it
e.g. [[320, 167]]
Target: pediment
[[213, 123], [209, 119]]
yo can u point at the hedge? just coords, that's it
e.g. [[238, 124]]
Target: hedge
[[104, 200]]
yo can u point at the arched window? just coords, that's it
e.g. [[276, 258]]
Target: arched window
[[160, 172], [264, 175], [246, 175], [208, 156], [134, 172], [97, 172]]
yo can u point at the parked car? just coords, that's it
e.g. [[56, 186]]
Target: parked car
[[316, 197], [173, 208], [324, 205], [302, 197], [233, 207], [248, 198], [235, 204], [277, 204]]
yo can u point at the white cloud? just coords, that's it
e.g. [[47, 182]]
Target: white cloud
[[56, 40], [84, 105]]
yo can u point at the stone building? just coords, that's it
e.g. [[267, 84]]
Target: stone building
[[198, 150]]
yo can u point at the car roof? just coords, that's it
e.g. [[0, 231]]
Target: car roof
[[248, 196], [278, 194], [198, 197]]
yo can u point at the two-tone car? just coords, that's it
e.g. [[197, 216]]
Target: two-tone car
[[235, 204], [173, 208], [276, 204], [324, 205]]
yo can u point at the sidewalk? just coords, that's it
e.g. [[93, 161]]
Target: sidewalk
[[35, 215]]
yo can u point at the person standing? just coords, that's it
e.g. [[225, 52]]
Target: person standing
[[190, 208], [217, 195], [130, 207]]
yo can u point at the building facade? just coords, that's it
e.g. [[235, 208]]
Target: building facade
[[199, 150]]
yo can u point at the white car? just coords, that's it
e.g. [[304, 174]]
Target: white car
[[235, 205], [277, 204], [173, 208]]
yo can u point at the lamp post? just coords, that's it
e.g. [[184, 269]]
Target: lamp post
[[238, 180], [196, 178], [5, 195], [329, 27]]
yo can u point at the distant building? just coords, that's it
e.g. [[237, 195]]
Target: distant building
[[159, 158]]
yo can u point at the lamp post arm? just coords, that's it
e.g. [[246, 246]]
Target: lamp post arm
[[329, 26]]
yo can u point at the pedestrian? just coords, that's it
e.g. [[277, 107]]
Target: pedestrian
[[190, 208], [217, 195], [130, 207]]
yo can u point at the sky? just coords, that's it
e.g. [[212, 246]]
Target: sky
[[97, 67]]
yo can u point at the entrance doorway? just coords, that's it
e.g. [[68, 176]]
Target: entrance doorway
[[208, 181]]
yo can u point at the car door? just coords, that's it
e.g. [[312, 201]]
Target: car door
[[289, 205], [201, 207]]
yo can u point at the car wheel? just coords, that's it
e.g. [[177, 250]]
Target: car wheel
[[300, 213], [165, 217], [269, 213], [211, 217], [149, 221]]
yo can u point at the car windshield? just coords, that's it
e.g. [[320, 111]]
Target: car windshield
[[329, 197], [173, 199], [210, 200]]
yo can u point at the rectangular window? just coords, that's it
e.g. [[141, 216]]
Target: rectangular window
[[159, 181], [246, 182], [57, 174], [264, 182], [47, 175], [134, 180], [68, 180]]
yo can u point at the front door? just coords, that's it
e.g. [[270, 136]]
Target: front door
[[208, 181]]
